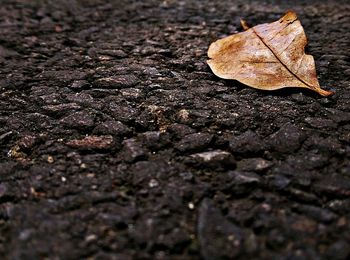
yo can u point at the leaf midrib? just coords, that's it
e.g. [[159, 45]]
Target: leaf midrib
[[284, 65]]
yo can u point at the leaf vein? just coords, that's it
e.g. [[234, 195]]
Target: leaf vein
[[284, 65]]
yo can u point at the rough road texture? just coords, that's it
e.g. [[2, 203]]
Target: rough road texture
[[117, 141]]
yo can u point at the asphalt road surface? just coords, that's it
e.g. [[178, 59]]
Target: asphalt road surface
[[118, 142]]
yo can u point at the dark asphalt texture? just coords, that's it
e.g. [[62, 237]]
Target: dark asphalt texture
[[118, 142]]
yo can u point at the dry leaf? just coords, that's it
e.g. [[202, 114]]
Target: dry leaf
[[267, 56]]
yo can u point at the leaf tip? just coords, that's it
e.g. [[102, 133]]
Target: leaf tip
[[325, 93], [289, 17]]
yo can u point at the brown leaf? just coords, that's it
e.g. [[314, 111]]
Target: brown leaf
[[267, 56]]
